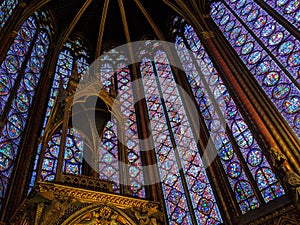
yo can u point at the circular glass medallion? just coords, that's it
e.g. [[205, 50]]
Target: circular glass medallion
[[234, 170], [286, 48], [271, 79], [292, 105], [268, 30], [247, 48], [281, 91], [276, 38], [254, 157], [254, 57], [292, 6], [294, 59]]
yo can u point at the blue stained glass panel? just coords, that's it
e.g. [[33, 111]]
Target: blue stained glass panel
[[11, 135], [74, 141], [6, 9], [203, 200], [275, 82], [72, 156], [280, 42], [175, 199], [289, 9], [14, 59], [131, 133], [249, 148]]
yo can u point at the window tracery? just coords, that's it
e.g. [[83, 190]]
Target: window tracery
[[6, 9], [269, 51], [74, 56], [186, 188], [242, 158], [20, 74]]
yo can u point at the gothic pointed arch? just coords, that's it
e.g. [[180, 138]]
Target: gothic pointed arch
[[21, 71], [268, 50], [72, 64]]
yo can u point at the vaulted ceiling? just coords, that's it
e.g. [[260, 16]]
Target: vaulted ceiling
[[104, 22]]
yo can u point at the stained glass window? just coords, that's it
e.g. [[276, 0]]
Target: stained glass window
[[179, 161], [6, 9], [20, 73], [269, 51], [290, 9], [213, 98], [109, 147], [109, 165], [73, 55]]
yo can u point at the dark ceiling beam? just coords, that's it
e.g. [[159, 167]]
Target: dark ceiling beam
[[66, 34], [9, 35], [101, 28], [124, 21], [31, 8], [176, 9], [189, 15], [72, 25], [153, 25]]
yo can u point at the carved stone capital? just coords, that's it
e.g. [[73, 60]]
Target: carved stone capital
[[293, 182], [22, 4], [53, 204], [13, 34], [207, 34], [280, 161]]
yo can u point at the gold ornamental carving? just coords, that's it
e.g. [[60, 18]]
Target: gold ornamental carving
[[207, 34], [56, 204]]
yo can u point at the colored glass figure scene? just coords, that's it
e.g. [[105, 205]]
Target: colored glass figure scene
[[73, 53], [275, 38], [20, 74], [116, 75], [289, 9], [270, 53], [72, 156], [179, 161], [214, 99], [6, 9], [131, 133]]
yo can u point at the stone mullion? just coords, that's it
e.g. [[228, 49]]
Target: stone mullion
[[254, 110], [231, 138], [279, 18], [9, 32], [259, 97], [174, 146], [216, 168]]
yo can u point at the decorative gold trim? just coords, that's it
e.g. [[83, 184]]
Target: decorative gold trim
[[89, 196], [278, 215], [55, 203], [207, 34]]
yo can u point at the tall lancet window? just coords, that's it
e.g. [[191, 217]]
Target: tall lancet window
[[116, 77], [270, 52], [249, 173], [73, 56], [188, 195], [20, 73], [6, 9], [289, 9]]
